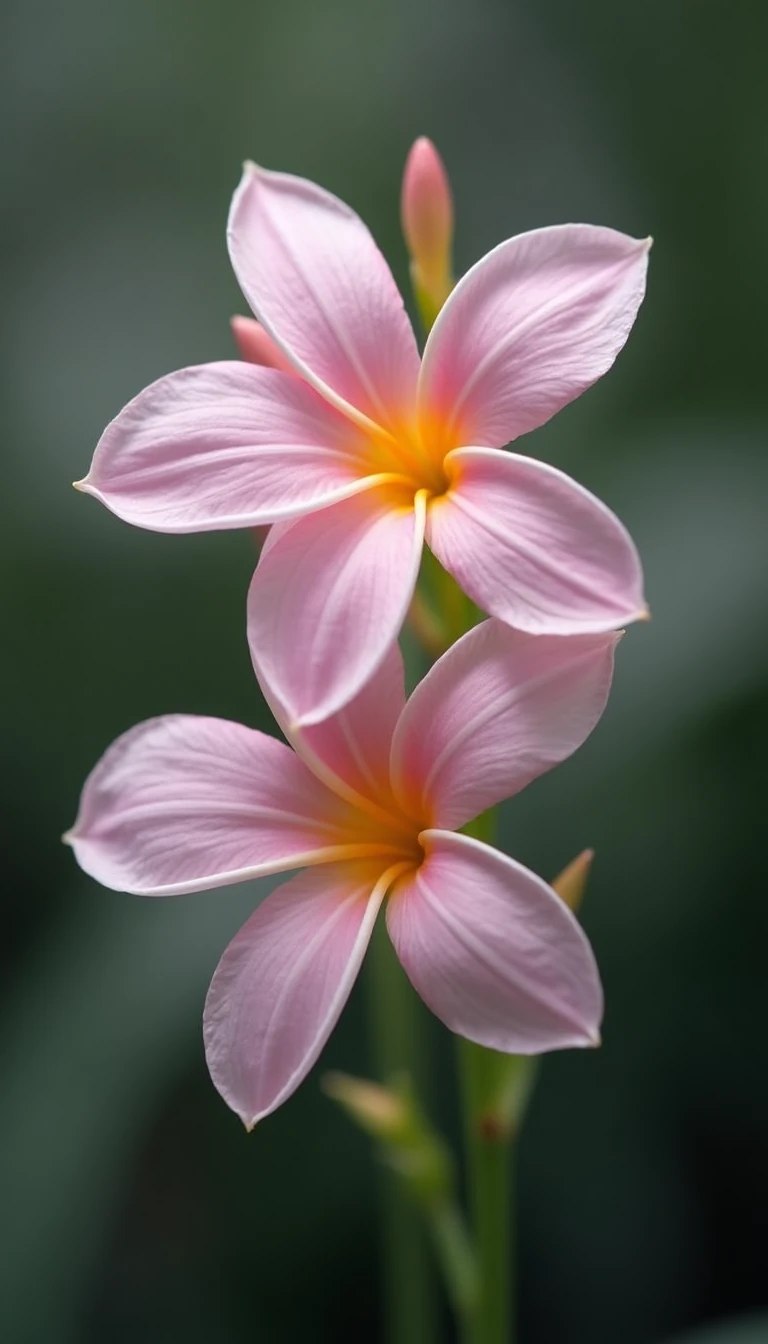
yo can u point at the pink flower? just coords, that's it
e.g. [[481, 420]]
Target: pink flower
[[370, 451], [368, 802]]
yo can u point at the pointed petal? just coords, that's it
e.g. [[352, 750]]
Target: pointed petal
[[224, 445], [493, 951], [277, 992], [319, 285], [529, 328], [328, 600], [350, 749], [256, 346], [497, 710], [183, 803], [532, 547]]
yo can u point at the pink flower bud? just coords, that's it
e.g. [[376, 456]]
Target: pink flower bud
[[427, 217], [256, 347]]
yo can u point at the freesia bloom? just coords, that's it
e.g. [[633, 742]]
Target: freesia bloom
[[368, 803], [370, 451]]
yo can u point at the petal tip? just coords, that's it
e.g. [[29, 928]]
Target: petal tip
[[83, 486], [644, 614], [69, 837], [251, 170]]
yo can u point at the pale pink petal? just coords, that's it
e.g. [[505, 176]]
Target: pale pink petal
[[532, 547], [224, 445], [350, 749], [493, 951], [256, 346], [318, 283], [529, 328], [184, 803], [278, 990], [328, 600], [497, 710]]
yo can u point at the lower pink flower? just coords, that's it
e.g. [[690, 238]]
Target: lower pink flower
[[368, 803]]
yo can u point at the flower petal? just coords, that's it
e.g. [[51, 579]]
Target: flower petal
[[329, 597], [183, 803], [529, 328], [277, 992], [532, 547], [493, 951], [350, 749], [497, 710], [224, 445], [318, 283]]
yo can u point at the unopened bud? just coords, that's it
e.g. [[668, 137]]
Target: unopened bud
[[426, 209], [256, 346], [393, 1116], [376, 1109], [571, 884]]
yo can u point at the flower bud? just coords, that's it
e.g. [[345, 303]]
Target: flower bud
[[392, 1115], [426, 209], [571, 884], [255, 346], [376, 1109]]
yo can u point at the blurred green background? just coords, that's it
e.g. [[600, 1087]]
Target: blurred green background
[[133, 1207]]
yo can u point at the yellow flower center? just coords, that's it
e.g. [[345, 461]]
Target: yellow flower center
[[381, 822], [416, 454]]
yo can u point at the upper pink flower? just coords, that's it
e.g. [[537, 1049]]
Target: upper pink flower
[[368, 801], [369, 450]]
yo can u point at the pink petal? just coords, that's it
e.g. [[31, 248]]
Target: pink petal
[[224, 445], [256, 346], [318, 283], [497, 710], [493, 951], [529, 328], [532, 547], [182, 803], [278, 990], [328, 599], [350, 749]]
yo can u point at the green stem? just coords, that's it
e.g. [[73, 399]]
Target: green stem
[[489, 1174], [457, 1261], [396, 1017]]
